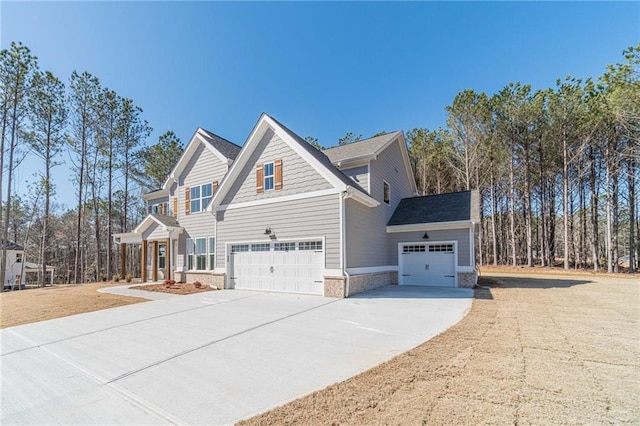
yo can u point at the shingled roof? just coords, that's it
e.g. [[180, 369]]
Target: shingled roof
[[225, 147], [450, 207], [169, 221], [361, 149], [11, 246]]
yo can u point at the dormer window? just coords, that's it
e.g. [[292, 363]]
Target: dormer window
[[268, 176]]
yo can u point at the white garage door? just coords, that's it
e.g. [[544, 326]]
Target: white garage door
[[430, 264], [294, 267]]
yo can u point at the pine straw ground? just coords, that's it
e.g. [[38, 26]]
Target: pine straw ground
[[177, 288], [533, 350]]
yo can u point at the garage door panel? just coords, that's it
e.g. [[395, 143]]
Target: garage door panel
[[428, 264], [287, 267]]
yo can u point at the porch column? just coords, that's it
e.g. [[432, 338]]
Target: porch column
[[167, 262], [123, 260], [154, 262], [144, 261]]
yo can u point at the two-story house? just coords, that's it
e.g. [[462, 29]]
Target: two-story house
[[280, 215]]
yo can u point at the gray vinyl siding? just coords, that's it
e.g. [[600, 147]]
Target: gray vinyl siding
[[154, 232], [290, 220], [360, 175], [298, 176], [459, 235], [366, 238], [203, 167]]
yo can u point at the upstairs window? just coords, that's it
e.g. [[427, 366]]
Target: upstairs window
[[268, 176], [386, 192], [160, 208], [200, 197], [18, 257]]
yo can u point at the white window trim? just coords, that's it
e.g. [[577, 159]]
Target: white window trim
[[272, 176], [211, 251], [384, 182], [197, 253], [203, 208], [190, 251]]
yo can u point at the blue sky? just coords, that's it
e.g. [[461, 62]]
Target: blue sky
[[321, 68]]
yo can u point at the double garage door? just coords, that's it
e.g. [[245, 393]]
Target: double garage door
[[294, 267], [432, 264]]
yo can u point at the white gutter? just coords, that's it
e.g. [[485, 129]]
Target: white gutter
[[361, 197], [343, 239]]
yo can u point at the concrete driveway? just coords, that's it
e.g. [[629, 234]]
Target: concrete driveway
[[209, 358]]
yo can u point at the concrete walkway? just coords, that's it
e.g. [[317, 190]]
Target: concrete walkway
[[209, 358]]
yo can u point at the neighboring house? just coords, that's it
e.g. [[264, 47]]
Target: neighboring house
[[280, 215], [15, 258]]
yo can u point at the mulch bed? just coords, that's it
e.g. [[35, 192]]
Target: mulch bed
[[178, 288]]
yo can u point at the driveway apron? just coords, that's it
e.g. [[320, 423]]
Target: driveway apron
[[209, 358]]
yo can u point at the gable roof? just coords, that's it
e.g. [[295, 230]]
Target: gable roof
[[220, 147], [313, 156], [10, 245], [449, 207], [321, 157], [364, 149], [166, 222], [227, 148]]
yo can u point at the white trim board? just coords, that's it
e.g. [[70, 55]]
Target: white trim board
[[292, 197], [433, 226], [373, 269]]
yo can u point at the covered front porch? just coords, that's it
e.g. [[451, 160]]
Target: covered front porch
[[158, 237]]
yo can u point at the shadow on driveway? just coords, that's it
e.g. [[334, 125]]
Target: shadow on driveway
[[415, 292]]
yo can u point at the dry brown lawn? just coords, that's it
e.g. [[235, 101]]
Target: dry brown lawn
[[33, 305], [535, 349]]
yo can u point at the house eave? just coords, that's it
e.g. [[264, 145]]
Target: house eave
[[430, 226], [155, 194], [361, 197]]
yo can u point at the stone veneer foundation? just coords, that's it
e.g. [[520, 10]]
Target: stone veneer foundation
[[467, 279], [334, 286], [210, 278], [365, 282]]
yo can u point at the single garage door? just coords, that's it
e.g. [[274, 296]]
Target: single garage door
[[431, 264], [294, 267]]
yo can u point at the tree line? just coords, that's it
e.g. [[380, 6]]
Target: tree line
[[557, 168], [94, 133]]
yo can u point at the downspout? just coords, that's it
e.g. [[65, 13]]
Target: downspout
[[343, 241]]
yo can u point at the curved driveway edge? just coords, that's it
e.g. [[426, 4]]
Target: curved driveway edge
[[209, 358]]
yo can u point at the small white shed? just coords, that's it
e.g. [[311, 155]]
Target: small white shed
[[15, 271]]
